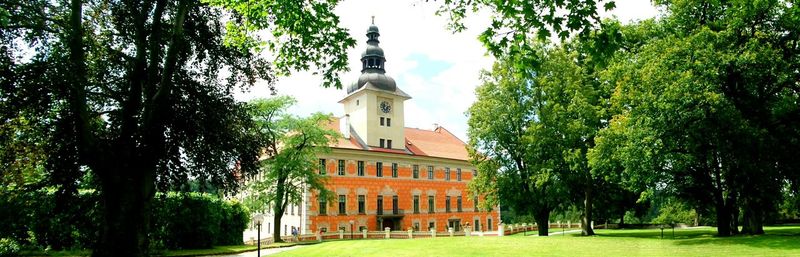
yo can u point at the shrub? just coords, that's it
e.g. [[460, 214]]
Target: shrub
[[8, 247], [178, 221]]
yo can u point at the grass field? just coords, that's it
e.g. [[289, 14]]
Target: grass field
[[778, 241]]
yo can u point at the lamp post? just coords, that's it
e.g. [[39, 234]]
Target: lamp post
[[258, 224], [351, 229]]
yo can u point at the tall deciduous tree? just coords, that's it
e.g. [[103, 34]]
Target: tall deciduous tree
[[514, 152], [139, 93], [703, 106], [289, 165]]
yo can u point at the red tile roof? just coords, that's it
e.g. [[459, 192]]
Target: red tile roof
[[434, 143]]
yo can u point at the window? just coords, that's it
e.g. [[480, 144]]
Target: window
[[446, 173], [416, 204], [360, 168], [394, 170], [322, 167], [415, 169], [341, 167], [292, 207], [361, 204], [431, 207], [475, 202], [447, 204], [431, 225], [388, 122], [379, 169], [430, 172], [342, 204], [380, 205], [394, 205], [323, 207], [382, 143], [458, 174], [477, 225], [489, 224], [416, 226], [388, 143], [458, 203], [382, 121]]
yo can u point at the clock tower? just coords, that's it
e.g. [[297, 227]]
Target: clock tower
[[374, 105]]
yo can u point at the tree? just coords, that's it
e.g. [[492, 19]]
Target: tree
[[139, 93], [728, 124], [517, 164], [289, 165]]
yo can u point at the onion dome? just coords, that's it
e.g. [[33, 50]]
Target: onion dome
[[372, 65]]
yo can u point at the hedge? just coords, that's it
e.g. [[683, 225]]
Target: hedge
[[178, 221]]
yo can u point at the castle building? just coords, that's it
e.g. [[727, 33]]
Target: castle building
[[385, 175]]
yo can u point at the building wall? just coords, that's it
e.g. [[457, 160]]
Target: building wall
[[404, 186]]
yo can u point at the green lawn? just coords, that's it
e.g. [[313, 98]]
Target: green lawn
[[778, 241]]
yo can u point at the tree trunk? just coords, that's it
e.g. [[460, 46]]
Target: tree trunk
[[586, 222], [127, 195], [622, 220], [734, 213], [543, 220], [278, 210], [723, 215]]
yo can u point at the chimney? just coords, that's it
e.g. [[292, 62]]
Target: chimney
[[436, 127], [344, 126]]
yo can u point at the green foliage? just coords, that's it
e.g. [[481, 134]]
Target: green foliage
[[303, 33], [179, 221], [194, 220], [674, 212], [292, 145], [8, 247]]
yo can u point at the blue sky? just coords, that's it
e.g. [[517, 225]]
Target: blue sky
[[439, 69]]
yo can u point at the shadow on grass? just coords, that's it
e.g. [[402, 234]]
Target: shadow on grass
[[774, 237]]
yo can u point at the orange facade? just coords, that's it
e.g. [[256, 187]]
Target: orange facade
[[404, 189]]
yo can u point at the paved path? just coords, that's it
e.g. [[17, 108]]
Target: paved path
[[264, 252]]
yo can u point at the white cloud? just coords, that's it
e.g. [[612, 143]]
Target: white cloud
[[410, 29]]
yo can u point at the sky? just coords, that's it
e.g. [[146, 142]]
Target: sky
[[438, 68]]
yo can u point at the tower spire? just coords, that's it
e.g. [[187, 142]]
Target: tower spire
[[373, 19]]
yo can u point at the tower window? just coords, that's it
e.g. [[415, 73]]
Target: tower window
[[322, 167], [416, 171], [382, 121], [394, 169], [381, 142], [379, 169], [388, 143], [340, 168], [361, 168], [388, 122]]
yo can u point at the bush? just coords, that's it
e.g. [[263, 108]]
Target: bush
[[8, 247], [178, 221]]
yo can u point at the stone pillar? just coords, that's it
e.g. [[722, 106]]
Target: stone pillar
[[467, 231], [364, 232], [388, 232], [433, 233], [501, 229], [451, 231], [319, 236], [410, 233], [341, 234]]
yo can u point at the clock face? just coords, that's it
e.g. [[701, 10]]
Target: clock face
[[385, 107]]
